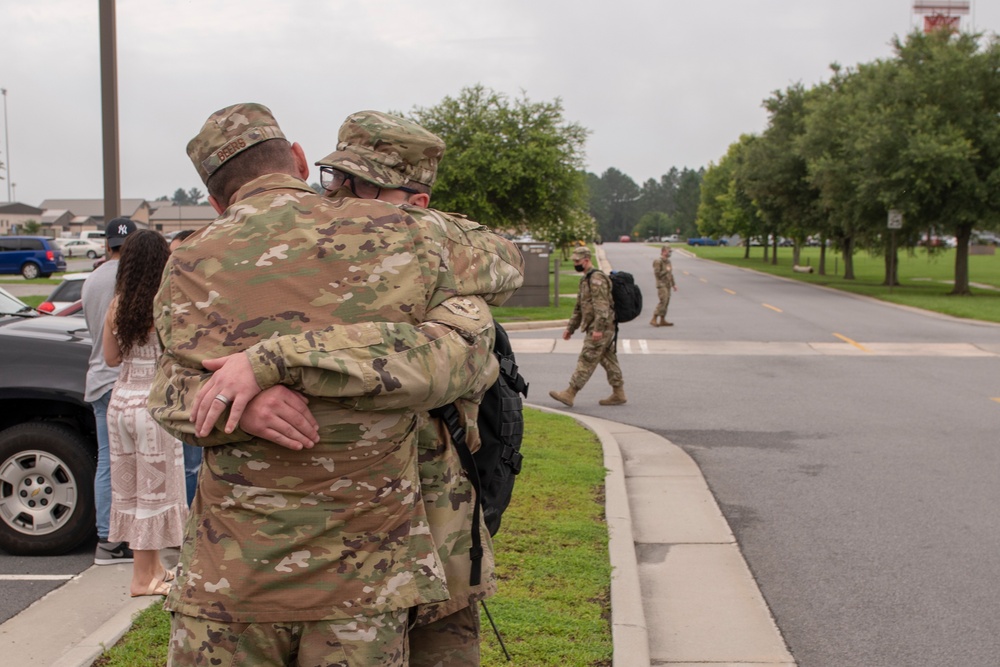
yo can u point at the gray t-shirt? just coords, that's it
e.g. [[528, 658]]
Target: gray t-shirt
[[98, 291]]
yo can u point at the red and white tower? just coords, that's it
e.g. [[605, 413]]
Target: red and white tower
[[940, 14]]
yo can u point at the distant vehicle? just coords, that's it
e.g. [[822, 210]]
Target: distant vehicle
[[624, 239], [81, 247], [93, 235], [984, 238], [704, 240], [65, 293], [673, 238], [31, 256]]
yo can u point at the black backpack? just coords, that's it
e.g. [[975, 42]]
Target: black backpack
[[626, 296], [495, 464]]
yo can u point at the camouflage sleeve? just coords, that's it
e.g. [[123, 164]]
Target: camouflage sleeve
[[385, 366], [577, 318], [600, 297]]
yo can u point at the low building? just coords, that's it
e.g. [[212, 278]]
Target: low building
[[170, 218], [14, 215], [90, 212]]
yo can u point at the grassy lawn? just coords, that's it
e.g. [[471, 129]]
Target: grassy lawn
[[925, 280], [553, 608]]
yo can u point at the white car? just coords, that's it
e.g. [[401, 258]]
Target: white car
[[66, 293], [81, 248]]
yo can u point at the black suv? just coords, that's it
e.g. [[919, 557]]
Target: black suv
[[48, 440]]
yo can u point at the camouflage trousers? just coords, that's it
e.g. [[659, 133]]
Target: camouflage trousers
[[598, 352], [452, 641], [365, 641], [663, 293]]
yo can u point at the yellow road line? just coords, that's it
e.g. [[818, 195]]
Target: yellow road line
[[777, 310], [852, 342], [702, 280], [728, 291], [997, 399]]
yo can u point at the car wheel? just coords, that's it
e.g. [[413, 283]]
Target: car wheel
[[46, 489], [91, 254], [29, 271]]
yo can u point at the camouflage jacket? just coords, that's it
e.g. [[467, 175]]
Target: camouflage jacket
[[594, 310], [338, 530], [663, 270]]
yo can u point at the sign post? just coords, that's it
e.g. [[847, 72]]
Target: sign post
[[895, 222]]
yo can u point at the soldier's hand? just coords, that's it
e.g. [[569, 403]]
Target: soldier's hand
[[282, 416], [566, 334], [233, 380], [597, 335]]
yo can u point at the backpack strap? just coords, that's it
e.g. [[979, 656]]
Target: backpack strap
[[449, 415]]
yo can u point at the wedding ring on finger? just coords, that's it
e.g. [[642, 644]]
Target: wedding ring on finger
[[222, 399]]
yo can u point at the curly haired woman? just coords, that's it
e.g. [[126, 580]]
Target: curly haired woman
[[148, 504]]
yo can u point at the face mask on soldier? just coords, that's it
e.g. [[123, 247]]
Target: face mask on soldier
[[578, 267]]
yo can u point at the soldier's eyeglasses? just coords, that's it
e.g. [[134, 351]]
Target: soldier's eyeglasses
[[332, 179]]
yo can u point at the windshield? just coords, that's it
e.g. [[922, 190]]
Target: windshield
[[10, 305]]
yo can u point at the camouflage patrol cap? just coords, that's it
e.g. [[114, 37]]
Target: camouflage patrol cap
[[387, 150], [229, 131], [581, 252]]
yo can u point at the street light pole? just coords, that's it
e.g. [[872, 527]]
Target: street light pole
[[109, 109], [6, 144]]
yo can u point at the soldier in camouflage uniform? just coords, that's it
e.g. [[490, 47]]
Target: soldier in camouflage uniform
[[395, 159], [663, 270], [308, 554], [595, 314]]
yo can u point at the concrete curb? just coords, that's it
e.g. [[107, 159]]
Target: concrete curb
[[629, 633]]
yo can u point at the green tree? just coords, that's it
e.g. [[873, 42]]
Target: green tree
[[775, 172], [613, 203], [654, 224], [31, 227], [195, 196], [725, 208], [180, 197], [512, 164], [687, 198]]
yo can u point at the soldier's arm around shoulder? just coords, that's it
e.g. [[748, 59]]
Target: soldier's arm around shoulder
[[386, 365]]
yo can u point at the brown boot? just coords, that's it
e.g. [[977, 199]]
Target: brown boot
[[617, 397], [653, 322], [664, 323], [565, 397]]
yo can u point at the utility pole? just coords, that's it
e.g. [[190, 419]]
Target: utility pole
[[109, 110], [6, 144]]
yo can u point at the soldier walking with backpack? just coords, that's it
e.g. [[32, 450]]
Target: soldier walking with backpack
[[595, 314]]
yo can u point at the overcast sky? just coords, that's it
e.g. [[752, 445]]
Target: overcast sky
[[659, 83]]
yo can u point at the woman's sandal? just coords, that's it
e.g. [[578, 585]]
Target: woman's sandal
[[156, 587], [167, 576]]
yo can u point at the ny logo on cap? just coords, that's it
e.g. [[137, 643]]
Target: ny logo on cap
[[123, 230]]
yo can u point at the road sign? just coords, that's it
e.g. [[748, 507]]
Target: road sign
[[895, 219]]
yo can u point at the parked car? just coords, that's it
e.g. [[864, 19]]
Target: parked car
[[82, 248], [673, 238], [65, 293], [704, 240], [31, 256], [48, 440], [624, 238], [12, 308]]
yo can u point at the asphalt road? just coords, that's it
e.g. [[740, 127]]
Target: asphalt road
[[851, 445]]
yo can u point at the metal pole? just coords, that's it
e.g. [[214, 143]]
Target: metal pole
[[6, 145], [109, 110]]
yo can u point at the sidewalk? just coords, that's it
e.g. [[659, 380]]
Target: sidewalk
[[681, 593]]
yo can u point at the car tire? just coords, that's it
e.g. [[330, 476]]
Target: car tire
[[30, 271], [46, 489], [91, 254]]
